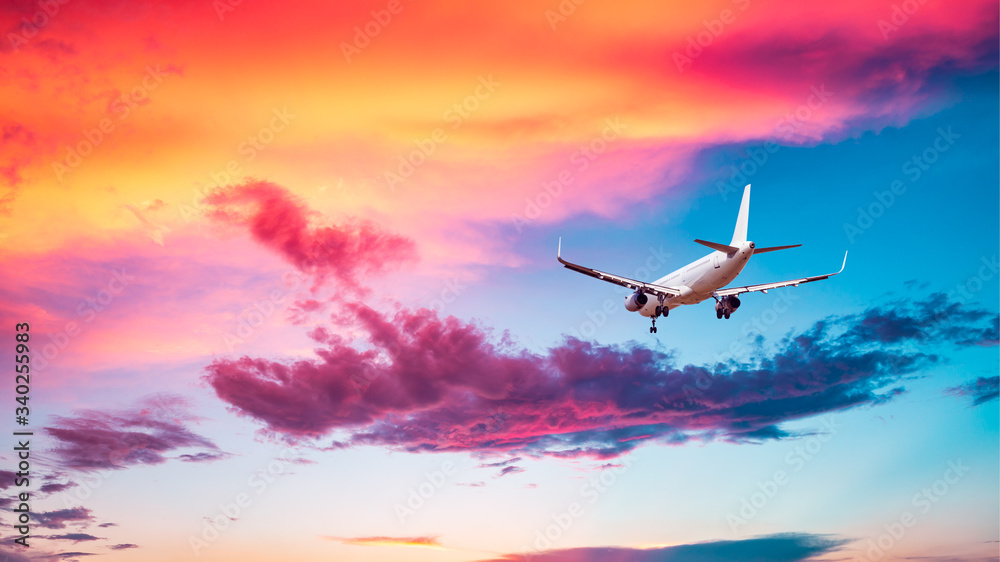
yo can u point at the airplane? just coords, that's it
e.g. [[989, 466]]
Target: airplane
[[702, 279]]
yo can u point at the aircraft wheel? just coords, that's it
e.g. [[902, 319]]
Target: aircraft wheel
[[718, 314], [727, 316], [651, 330]]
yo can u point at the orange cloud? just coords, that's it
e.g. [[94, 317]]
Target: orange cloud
[[426, 541], [450, 122]]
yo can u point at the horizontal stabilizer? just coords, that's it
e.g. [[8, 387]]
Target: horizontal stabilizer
[[774, 248], [720, 247]]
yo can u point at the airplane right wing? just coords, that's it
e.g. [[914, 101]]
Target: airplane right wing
[[766, 286], [648, 288]]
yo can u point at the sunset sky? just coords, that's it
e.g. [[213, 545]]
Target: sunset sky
[[290, 276]]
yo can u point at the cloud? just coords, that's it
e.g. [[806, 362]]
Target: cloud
[[509, 470], [203, 457], [75, 537], [10, 555], [280, 221], [143, 211], [15, 138], [878, 78], [936, 318], [142, 435], [71, 555], [54, 487], [425, 541], [417, 382], [59, 518], [7, 478], [774, 548], [981, 390], [123, 546], [499, 463]]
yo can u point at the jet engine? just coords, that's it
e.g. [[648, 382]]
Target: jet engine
[[635, 301], [726, 306]]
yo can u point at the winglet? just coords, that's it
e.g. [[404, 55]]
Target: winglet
[[559, 253], [845, 262]]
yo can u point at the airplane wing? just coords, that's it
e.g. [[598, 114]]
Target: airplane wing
[[648, 288], [765, 286]]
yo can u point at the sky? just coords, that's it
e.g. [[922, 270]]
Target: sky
[[291, 291]]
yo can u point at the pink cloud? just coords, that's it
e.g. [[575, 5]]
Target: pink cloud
[[421, 383], [279, 221], [100, 304]]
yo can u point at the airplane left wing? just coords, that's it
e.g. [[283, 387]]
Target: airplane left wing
[[766, 286], [648, 288]]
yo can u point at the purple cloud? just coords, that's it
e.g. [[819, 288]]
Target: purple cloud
[[59, 518], [422, 383], [775, 548], [981, 390], [92, 440]]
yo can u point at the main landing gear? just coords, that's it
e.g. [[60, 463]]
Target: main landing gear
[[660, 311], [726, 306]]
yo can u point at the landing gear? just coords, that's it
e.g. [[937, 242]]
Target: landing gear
[[659, 311], [726, 306]]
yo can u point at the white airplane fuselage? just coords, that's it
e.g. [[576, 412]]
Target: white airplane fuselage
[[700, 279]]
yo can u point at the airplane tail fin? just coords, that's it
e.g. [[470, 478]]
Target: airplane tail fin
[[740, 234]]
